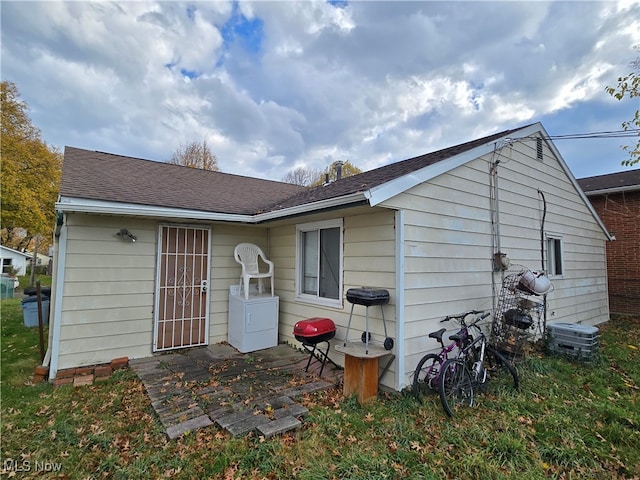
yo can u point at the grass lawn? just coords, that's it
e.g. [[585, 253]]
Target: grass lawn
[[569, 420]]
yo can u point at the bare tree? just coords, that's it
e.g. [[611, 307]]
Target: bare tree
[[302, 176], [195, 155]]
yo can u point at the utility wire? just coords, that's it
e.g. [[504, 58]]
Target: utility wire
[[611, 134]]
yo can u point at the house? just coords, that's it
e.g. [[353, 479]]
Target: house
[[42, 260], [426, 229], [616, 198], [13, 261]]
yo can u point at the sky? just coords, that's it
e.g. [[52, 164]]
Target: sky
[[273, 86]]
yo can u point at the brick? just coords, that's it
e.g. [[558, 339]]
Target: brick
[[83, 380], [175, 431], [66, 373], [294, 410], [40, 374], [103, 371], [120, 362], [279, 426], [234, 417], [58, 382], [247, 425], [84, 371]]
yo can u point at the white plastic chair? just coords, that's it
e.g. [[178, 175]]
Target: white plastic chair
[[247, 255]]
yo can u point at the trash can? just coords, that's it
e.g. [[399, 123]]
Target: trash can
[[30, 311], [44, 291], [6, 287]]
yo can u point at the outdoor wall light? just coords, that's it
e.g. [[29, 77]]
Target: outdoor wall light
[[126, 235]]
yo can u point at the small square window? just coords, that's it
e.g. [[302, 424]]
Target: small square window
[[554, 256]]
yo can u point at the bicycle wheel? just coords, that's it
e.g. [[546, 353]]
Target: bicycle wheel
[[500, 371], [426, 375], [455, 386]]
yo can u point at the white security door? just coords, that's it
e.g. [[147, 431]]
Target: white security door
[[181, 317]]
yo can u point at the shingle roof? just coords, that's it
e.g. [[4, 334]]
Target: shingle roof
[[115, 178], [380, 175], [104, 176], [612, 182]]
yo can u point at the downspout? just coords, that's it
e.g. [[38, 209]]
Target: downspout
[[400, 340], [495, 222], [51, 357]]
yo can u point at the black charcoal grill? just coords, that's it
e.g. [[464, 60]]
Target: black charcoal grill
[[368, 296], [311, 333]]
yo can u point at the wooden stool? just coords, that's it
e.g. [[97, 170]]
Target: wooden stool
[[361, 370]]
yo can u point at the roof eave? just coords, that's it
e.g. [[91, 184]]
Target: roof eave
[[328, 203], [26, 255], [604, 191], [399, 185], [85, 205]]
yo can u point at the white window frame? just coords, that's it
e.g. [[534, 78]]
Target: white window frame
[[551, 256], [306, 297]]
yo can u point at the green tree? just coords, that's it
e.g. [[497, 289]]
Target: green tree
[[346, 169], [195, 155], [30, 175], [629, 87]]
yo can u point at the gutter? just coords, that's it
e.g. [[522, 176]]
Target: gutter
[[330, 203], [604, 191], [84, 205]]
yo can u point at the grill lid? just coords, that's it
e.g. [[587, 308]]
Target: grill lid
[[313, 327], [368, 296]]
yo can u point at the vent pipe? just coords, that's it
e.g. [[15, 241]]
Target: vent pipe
[[339, 165]]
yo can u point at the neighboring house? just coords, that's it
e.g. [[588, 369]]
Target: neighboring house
[[42, 260], [426, 229], [13, 260], [616, 198]]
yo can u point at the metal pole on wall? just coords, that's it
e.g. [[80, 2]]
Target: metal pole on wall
[[34, 261], [40, 320]]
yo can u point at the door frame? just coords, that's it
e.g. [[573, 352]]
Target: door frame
[[157, 296]]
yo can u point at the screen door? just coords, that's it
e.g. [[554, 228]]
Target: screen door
[[182, 293]]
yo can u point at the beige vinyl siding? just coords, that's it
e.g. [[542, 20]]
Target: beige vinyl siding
[[580, 294], [448, 243], [225, 271], [107, 309], [109, 286], [369, 260]]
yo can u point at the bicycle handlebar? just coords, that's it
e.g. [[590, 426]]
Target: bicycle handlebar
[[462, 316]]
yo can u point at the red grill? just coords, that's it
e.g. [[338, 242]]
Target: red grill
[[313, 331]]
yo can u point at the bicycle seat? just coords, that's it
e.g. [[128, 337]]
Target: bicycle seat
[[438, 335], [458, 337]]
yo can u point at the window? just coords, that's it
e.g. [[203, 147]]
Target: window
[[554, 256], [319, 261], [6, 265]]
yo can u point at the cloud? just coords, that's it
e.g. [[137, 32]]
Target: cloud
[[276, 85]]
